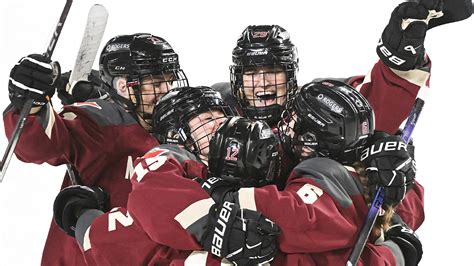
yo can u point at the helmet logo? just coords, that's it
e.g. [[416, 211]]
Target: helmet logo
[[329, 84], [330, 103], [232, 153], [259, 34], [117, 47], [169, 59], [257, 52], [155, 40], [317, 121], [365, 128], [266, 133]]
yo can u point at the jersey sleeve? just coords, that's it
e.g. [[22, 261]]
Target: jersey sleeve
[[83, 134], [165, 200], [114, 238], [411, 208], [317, 211], [391, 93]]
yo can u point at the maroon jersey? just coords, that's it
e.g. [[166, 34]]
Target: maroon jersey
[[99, 138], [391, 93], [319, 213], [116, 239]]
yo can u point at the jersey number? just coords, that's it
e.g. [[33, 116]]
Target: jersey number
[[309, 193]]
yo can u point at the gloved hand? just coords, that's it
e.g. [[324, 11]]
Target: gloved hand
[[72, 201], [406, 239], [34, 76], [242, 236], [388, 164], [218, 188], [82, 91], [401, 46]]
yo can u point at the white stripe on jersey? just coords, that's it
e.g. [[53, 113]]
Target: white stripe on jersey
[[194, 212]]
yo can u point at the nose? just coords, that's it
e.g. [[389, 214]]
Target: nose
[[261, 79]]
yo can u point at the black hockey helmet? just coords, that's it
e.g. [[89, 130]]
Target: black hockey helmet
[[328, 119], [263, 50], [245, 152], [136, 57], [174, 111]]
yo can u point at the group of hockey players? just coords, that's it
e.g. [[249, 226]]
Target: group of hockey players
[[253, 171]]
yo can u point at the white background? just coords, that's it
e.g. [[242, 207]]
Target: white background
[[334, 38]]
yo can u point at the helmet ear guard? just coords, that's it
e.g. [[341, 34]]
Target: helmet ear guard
[[338, 118]]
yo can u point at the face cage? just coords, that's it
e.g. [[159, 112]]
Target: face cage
[[196, 145], [262, 100], [302, 143], [162, 83]]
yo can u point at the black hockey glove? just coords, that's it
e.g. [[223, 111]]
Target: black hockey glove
[[82, 91], [72, 201], [242, 236], [218, 188], [402, 43], [406, 239], [34, 76], [388, 164]]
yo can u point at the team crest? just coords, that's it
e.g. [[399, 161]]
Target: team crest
[[259, 34], [232, 153]]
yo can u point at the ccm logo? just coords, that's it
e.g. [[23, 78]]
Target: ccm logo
[[385, 146], [169, 59], [219, 230]]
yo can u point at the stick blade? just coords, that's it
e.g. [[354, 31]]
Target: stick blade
[[93, 33]]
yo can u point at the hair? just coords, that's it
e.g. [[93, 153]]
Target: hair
[[383, 222]]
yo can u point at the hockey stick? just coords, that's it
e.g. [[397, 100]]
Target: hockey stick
[[379, 195], [452, 11], [29, 102], [93, 33]]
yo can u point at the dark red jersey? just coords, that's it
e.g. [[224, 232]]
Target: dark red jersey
[[319, 212], [99, 138], [391, 93]]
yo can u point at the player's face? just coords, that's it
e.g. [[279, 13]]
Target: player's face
[[152, 88], [203, 127], [265, 86]]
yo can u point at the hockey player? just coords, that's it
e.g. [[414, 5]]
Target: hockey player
[[295, 207], [103, 244], [248, 148], [323, 205], [101, 137], [265, 65]]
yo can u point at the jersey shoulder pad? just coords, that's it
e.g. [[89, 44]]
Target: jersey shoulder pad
[[331, 176], [175, 151], [103, 111]]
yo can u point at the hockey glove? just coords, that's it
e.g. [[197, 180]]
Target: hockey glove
[[72, 201], [242, 236], [388, 164], [82, 91], [401, 46], [406, 239], [34, 76], [218, 188]]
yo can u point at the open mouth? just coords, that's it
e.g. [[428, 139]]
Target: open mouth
[[266, 97]]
